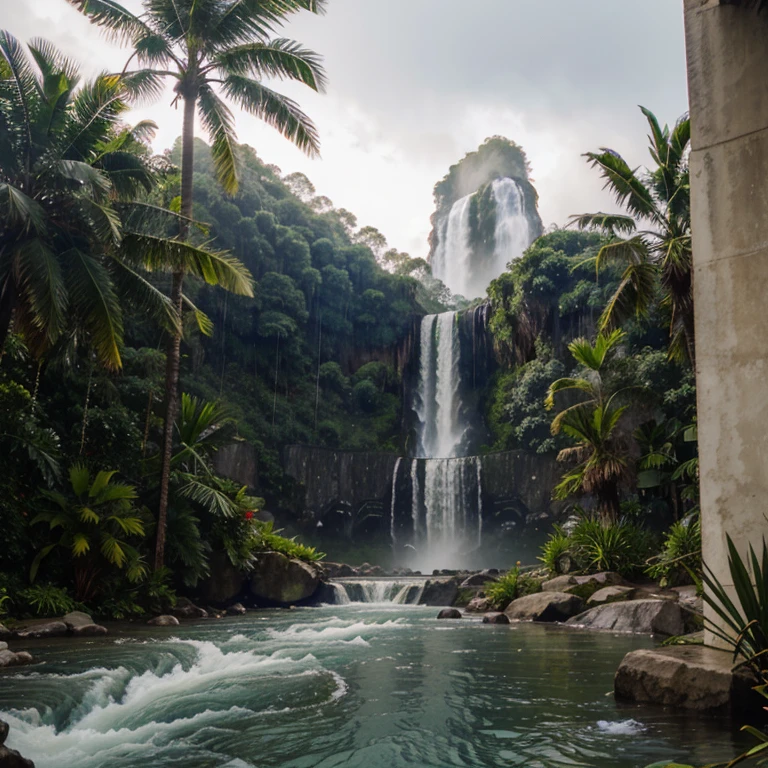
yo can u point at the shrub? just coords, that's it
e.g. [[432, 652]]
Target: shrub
[[47, 600], [269, 539], [680, 556], [593, 547], [556, 547], [510, 586]]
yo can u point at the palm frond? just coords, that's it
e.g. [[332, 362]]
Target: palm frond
[[274, 109], [218, 123], [156, 253], [622, 180], [93, 292], [19, 210], [611, 223], [281, 59], [120, 24]]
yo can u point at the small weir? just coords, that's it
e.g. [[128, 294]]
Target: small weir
[[401, 591]]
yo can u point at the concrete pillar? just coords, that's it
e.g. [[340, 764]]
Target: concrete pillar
[[727, 50]]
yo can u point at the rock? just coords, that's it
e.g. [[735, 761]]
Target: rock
[[10, 758], [164, 621], [46, 629], [478, 580], [610, 595], [495, 618], [76, 619], [376, 570], [186, 609], [282, 580], [583, 586], [647, 617], [3, 647], [238, 609], [4, 728], [89, 630], [544, 606], [225, 582], [449, 613], [479, 605], [4, 632], [686, 677], [439, 592], [558, 584], [11, 659]]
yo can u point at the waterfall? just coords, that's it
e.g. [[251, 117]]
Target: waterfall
[[399, 591], [452, 259], [450, 494], [468, 271], [479, 475], [513, 230], [392, 505]]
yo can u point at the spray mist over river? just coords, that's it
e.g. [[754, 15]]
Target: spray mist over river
[[362, 685]]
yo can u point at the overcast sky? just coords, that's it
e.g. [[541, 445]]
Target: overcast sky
[[415, 84]]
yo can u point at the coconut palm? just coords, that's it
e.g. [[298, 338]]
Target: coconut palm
[[653, 239], [601, 451], [72, 240], [213, 50]]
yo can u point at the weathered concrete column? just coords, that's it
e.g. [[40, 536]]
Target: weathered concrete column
[[727, 49]]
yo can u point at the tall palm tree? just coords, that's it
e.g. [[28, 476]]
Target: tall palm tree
[[211, 49], [72, 239], [601, 449], [653, 239]]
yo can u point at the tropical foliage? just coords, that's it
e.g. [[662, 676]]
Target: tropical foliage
[[652, 240]]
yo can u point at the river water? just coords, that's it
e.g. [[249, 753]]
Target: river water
[[344, 686]]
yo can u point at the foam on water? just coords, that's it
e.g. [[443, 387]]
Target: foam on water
[[621, 727], [126, 714]]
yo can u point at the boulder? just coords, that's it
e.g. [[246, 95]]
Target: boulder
[[646, 617], [224, 583], [238, 609], [282, 580], [164, 621], [440, 592], [544, 606], [5, 633], [45, 629], [10, 758], [583, 586], [3, 647], [77, 619], [11, 659], [186, 609], [686, 677], [495, 618], [4, 728], [449, 613], [477, 580], [479, 605], [89, 630], [610, 595]]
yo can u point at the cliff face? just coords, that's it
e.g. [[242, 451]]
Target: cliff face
[[351, 493]]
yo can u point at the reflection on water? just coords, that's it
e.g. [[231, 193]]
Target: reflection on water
[[345, 686]]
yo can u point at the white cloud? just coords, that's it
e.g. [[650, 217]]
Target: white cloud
[[415, 84]]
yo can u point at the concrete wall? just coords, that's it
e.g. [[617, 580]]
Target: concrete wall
[[727, 49]]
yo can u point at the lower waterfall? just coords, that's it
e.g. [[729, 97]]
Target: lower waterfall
[[365, 590]]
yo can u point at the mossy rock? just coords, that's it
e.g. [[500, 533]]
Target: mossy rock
[[464, 596]]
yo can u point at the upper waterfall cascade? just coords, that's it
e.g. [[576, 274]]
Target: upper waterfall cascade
[[455, 262]]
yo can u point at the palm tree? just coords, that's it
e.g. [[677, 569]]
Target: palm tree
[[72, 238], [211, 48], [653, 239], [94, 522], [601, 450]]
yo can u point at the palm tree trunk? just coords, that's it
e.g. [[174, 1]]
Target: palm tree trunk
[[173, 355], [7, 304]]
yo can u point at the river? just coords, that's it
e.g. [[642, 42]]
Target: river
[[342, 686]]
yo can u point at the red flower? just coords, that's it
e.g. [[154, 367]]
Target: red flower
[[249, 515]]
